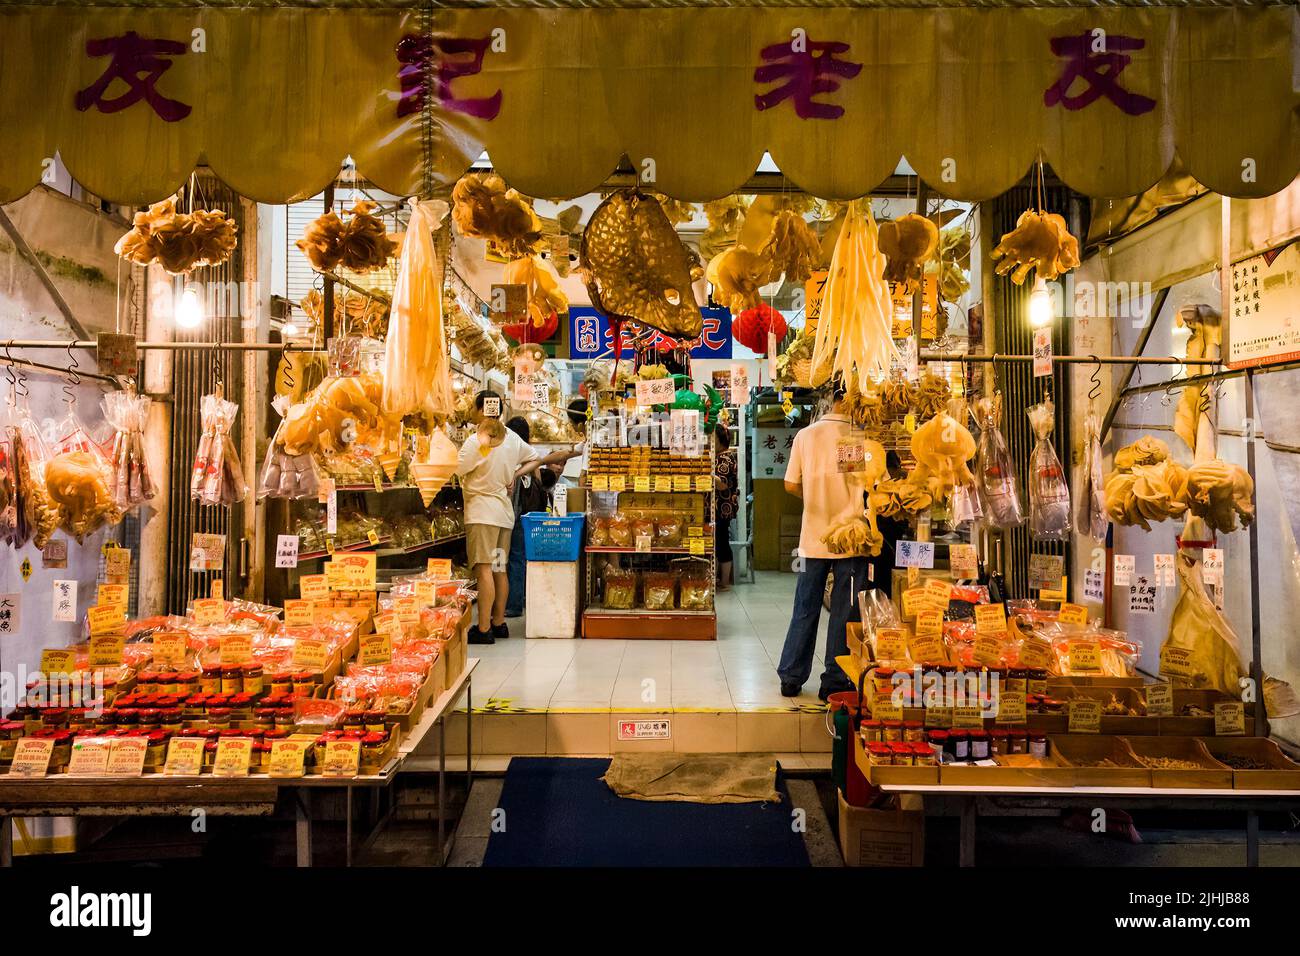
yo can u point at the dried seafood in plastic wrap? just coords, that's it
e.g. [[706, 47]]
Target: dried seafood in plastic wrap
[[658, 590], [286, 475], [855, 332], [908, 242], [1091, 516], [417, 358], [217, 477], [128, 413], [79, 480], [484, 207], [696, 586], [994, 472], [360, 243], [1049, 495], [9, 504], [178, 241], [620, 589]]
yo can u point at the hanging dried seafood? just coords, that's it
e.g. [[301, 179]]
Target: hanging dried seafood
[[217, 477], [897, 497], [1220, 492], [359, 243], [417, 357], [637, 268], [952, 263], [941, 447], [1091, 514], [736, 275], [484, 207], [1205, 341], [725, 217], [794, 365], [1049, 496], [854, 531], [995, 474], [854, 332], [1041, 241], [908, 243], [359, 313], [178, 241], [128, 412], [676, 210], [792, 249], [1146, 485], [545, 300]]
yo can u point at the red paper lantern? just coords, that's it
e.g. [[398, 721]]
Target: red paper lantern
[[525, 331], [752, 325]]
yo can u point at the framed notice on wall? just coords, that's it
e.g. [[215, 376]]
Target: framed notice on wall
[[1263, 322]]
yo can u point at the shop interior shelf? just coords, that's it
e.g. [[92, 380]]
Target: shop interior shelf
[[611, 550], [343, 549], [423, 546]]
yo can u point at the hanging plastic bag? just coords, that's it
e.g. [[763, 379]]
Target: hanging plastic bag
[[1049, 495], [217, 477], [995, 474], [1090, 518], [9, 504], [285, 475], [127, 412], [37, 515], [79, 479]]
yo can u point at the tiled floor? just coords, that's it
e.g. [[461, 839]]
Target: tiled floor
[[568, 696]]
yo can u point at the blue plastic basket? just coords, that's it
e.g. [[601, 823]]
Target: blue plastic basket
[[552, 538]]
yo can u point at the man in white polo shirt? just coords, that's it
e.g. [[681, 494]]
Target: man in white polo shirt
[[813, 474]]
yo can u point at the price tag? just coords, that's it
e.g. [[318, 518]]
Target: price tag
[[641, 483], [207, 552], [169, 647], [1046, 571], [914, 554], [439, 569], [218, 589], [1085, 716], [65, 602], [126, 757], [990, 619], [1164, 570], [58, 660], [342, 758], [884, 707], [962, 562], [915, 600], [89, 757], [288, 758], [313, 587], [657, 391], [286, 550], [939, 591], [236, 649], [117, 562], [927, 647], [111, 594], [105, 618], [694, 531], [357, 571], [1094, 586], [1176, 661], [208, 611], [968, 717], [938, 717], [643, 542], [1142, 596], [891, 644], [106, 650], [1056, 594], [310, 654], [1229, 718], [1085, 656], [1212, 565], [696, 545], [55, 554], [376, 649], [617, 482], [600, 482], [703, 482], [234, 756], [31, 757], [299, 612], [1073, 614], [663, 483], [425, 593], [739, 384], [929, 621], [331, 518], [1160, 700], [681, 482], [988, 648], [184, 757], [492, 406], [1124, 566], [850, 456], [1042, 351], [1035, 653], [1011, 709]]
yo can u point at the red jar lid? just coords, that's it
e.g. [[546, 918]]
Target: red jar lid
[[876, 747], [374, 738]]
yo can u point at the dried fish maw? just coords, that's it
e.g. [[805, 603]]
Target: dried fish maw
[[908, 243]]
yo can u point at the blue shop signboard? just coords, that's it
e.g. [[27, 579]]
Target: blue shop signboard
[[591, 337]]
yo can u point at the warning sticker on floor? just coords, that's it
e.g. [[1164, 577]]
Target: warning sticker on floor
[[645, 729]]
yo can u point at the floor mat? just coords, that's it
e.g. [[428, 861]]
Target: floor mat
[[557, 811], [694, 778]]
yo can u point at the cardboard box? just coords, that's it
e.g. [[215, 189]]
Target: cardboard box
[[791, 525], [883, 837]]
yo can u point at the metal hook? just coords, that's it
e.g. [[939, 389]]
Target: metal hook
[[9, 368], [75, 379], [1095, 392]]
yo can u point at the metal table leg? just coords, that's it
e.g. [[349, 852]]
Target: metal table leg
[[1252, 838], [966, 840], [6, 842], [302, 827], [442, 784]]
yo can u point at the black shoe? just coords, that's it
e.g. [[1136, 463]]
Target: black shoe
[[500, 631], [790, 690], [480, 637], [825, 692]]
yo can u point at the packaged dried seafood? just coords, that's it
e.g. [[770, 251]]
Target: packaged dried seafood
[[128, 412], [79, 480], [620, 588], [994, 472], [1091, 516], [696, 586], [658, 590], [37, 516], [217, 477], [286, 475], [1049, 496]]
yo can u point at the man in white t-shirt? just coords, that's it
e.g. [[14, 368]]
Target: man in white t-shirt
[[490, 461], [813, 474]]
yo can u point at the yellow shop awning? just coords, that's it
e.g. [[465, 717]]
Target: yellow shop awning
[[273, 98]]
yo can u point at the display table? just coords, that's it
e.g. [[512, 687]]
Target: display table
[[61, 795]]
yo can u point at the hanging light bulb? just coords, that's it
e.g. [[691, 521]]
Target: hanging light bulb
[[189, 308], [289, 328], [1040, 305]]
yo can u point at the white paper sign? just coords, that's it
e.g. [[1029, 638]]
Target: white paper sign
[[11, 613], [914, 554], [286, 550], [65, 602], [1212, 565], [1094, 586], [332, 513], [657, 391], [1142, 596], [1125, 565], [1042, 352], [1164, 567], [492, 406], [739, 384]]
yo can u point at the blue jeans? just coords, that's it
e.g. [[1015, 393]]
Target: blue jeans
[[801, 638], [517, 573]]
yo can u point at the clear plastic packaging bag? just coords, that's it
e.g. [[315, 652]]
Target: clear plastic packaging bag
[[285, 475], [1091, 516], [128, 412], [1049, 495], [995, 473], [79, 480], [217, 477], [37, 514]]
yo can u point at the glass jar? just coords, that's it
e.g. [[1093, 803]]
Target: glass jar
[[265, 718], [873, 731], [372, 749], [1018, 740], [171, 720], [1038, 745], [879, 754], [166, 683], [882, 680], [913, 731], [218, 718], [146, 682], [891, 730], [960, 741], [54, 718], [979, 745], [938, 741], [281, 685], [902, 753], [304, 684], [1037, 682], [1017, 681], [150, 720], [923, 755], [375, 722], [355, 720], [253, 680], [998, 743], [187, 682], [1051, 705], [232, 679]]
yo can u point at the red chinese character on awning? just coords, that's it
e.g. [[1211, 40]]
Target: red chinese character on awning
[[1098, 60], [456, 57], [804, 72], [138, 62]]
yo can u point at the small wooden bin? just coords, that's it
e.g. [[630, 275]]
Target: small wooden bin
[[1281, 773]]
